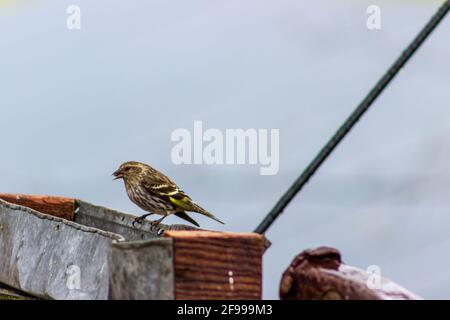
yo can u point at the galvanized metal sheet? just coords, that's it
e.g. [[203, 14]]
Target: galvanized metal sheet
[[50, 257], [121, 223], [141, 270], [98, 256]]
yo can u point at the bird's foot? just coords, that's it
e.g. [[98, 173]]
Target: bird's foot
[[139, 220], [155, 223]]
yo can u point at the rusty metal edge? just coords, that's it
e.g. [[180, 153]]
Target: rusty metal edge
[[44, 202]]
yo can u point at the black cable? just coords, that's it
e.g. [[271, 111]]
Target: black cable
[[353, 119]]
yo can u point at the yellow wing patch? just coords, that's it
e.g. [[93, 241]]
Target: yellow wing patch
[[183, 204]]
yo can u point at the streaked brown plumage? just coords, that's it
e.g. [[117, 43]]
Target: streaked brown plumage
[[155, 193]]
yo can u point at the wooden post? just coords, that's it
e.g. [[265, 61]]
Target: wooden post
[[217, 265]]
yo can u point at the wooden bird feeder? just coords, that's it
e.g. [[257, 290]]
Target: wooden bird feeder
[[64, 248]]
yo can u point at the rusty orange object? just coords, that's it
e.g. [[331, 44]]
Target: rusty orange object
[[61, 207]]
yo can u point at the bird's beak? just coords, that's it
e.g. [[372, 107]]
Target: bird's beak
[[117, 175]]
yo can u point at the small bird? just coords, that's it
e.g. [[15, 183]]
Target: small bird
[[155, 193]]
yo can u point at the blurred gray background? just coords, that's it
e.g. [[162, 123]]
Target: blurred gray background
[[75, 104]]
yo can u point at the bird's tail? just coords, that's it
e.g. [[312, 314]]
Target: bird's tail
[[184, 215], [197, 208]]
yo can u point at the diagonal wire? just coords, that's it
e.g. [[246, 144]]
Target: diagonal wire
[[353, 118]]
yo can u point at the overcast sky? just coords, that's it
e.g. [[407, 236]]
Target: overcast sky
[[76, 103]]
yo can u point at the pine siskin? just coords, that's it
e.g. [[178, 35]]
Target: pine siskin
[[155, 193]]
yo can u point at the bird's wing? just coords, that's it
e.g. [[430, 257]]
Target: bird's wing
[[169, 191]]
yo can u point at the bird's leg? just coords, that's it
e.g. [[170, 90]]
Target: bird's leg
[[157, 222], [141, 219]]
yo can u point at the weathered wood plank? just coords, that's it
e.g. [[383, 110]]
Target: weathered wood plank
[[217, 265], [60, 207]]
